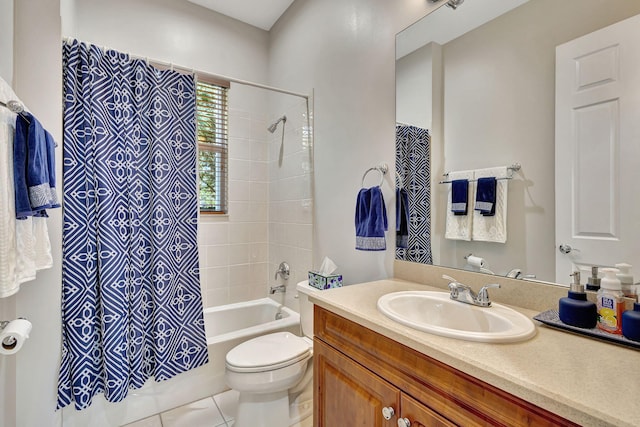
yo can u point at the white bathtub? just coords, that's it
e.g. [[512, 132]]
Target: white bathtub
[[249, 319]]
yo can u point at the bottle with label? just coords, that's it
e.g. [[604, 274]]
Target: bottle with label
[[609, 302], [626, 280]]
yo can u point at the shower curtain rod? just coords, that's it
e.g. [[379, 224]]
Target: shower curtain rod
[[208, 74]]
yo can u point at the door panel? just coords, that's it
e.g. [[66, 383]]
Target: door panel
[[346, 394], [598, 149]]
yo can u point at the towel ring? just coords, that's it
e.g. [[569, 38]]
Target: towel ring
[[380, 168], [400, 183]]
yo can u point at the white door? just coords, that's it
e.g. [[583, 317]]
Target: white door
[[598, 150]]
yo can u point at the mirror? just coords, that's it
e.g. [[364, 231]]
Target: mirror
[[481, 79]]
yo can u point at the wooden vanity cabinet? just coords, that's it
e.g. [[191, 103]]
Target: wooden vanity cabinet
[[358, 372]]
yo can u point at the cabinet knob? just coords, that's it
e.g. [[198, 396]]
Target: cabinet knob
[[388, 412], [404, 422]]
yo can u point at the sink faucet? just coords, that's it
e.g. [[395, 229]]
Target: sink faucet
[[463, 293], [516, 273], [274, 289]]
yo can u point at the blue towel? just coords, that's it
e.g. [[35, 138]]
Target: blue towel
[[33, 168], [459, 196], [486, 196], [371, 220], [402, 218]]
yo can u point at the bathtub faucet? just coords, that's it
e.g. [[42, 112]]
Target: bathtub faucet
[[283, 270], [274, 289]]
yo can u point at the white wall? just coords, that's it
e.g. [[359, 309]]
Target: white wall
[[414, 86], [38, 83], [7, 306], [345, 51], [6, 40]]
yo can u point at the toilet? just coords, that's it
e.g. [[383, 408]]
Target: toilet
[[270, 370]]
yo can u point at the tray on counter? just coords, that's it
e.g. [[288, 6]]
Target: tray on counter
[[552, 318]]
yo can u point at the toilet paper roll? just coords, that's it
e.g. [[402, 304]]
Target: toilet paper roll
[[14, 335], [475, 261]]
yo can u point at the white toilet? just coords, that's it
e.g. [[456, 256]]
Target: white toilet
[[268, 369]]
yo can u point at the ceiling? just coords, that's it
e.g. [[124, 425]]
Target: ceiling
[[259, 13]]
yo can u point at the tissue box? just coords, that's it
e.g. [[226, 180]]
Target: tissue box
[[319, 281]]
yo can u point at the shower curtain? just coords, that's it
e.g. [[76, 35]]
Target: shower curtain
[[413, 166], [131, 302]]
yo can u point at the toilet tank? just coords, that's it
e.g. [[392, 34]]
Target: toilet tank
[[306, 307]]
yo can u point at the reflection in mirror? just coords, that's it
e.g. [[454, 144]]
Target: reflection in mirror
[[480, 81]]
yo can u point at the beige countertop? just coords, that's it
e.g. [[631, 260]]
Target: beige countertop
[[587, 381]]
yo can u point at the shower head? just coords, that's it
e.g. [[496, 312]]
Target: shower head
[[274, 126]]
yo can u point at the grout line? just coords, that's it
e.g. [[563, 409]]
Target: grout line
[[220, 411]]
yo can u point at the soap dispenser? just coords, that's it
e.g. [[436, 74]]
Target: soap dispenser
[[575, 310], [626, 280], [610, 302], [631, 323], [593, 282]]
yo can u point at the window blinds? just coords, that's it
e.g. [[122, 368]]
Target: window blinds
[[212, 121]]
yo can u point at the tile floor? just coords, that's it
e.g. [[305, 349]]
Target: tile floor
[[217, 411], [210, 412]]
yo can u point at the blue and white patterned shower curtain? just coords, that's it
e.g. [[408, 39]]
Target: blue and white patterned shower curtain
[[131, 302], [413, 164]]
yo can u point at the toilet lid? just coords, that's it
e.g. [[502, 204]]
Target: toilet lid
[[271, 351]]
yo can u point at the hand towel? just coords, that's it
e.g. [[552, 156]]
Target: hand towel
[[458, 227], [493, 228], [34, 167], [371, 220], [459, 196], [486, 196], [402, 218]]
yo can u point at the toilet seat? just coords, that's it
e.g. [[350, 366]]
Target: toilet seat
[[268, 353]]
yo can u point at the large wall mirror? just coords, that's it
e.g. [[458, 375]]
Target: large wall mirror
[[481, 80]]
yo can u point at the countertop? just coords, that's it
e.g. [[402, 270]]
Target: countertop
[[584, 380]]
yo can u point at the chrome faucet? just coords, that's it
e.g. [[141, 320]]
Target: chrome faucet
[[279, 288], [283, 270], [463, 293], [516, 273]]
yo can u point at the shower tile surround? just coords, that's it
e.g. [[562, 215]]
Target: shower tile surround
[[270, 207]]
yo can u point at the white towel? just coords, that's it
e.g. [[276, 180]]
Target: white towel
[[24, 244], [458, 227], [8, 248], [493, 228]]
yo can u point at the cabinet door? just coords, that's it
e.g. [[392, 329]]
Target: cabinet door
[[346, 394], [421, 416]]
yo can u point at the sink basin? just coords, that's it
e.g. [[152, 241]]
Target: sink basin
[[436, 313]]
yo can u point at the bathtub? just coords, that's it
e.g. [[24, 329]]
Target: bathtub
[[245, 320]]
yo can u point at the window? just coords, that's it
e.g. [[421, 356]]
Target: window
[[212, 120]]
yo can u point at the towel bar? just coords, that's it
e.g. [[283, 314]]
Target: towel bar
[[513, 168]]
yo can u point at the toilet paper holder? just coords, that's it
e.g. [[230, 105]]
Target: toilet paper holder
[[9, 341]]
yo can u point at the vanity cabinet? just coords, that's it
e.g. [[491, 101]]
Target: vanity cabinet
[[359, 372]]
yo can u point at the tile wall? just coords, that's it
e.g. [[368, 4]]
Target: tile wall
[[270, 208]]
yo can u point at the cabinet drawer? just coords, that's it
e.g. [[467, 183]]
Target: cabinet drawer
[[420, 415]]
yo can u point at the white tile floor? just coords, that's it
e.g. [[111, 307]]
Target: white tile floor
[[210, 412]]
